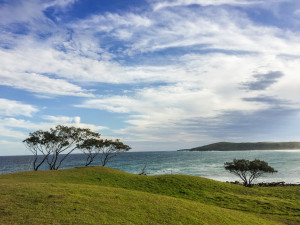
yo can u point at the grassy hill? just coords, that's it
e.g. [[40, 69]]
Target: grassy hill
[[230, 146], [99, 195]]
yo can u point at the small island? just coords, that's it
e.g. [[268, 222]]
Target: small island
[[230, 146]]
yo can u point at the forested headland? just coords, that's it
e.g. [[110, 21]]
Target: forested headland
[[230, 146]]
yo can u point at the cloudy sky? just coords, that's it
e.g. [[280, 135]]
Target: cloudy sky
[[159, 74]]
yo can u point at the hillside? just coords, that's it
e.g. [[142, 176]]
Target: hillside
[[229, 146], [99, 195]]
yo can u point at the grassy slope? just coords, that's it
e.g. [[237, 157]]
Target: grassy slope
[[98, 195]]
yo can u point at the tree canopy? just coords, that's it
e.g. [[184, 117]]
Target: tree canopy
[[247, 170], [107, 149], [48, 146], [112, 149]]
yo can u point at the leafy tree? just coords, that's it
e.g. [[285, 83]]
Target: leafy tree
[[91, 148], [247, 170], [51, 144], [107, 149], [112, 149]]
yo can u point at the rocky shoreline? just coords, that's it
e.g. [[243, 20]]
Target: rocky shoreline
[[268, 184]]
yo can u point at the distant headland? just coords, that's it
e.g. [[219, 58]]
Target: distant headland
[[230, 146]]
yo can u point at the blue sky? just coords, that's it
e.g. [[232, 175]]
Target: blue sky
[[158, 74]]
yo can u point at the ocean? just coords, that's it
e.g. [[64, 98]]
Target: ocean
[[208, 164]]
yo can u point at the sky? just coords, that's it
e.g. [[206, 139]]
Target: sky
[[158, 74]]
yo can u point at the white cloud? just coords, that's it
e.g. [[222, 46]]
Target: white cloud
[[52, 121], [62, 119], [213, 28], [297, 12], [228, 31], [41, 85], [13, 148], [34, 59], [11, 133], [20, 11], [163, 4], [15, 108], [206, 87], [59, 3], [111, 21], [18, 129], [12, 123], [197, 84], [30, 11], [83, 60], [72, 121]]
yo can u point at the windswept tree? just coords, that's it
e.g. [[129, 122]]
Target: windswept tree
[[247, 170], [91, 148], [106, 149], [47, 146], [112, 149]]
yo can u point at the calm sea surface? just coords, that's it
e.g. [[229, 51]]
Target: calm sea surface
[[205, 164]]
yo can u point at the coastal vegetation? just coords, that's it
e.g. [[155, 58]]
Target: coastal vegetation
[[106, 149], [248, 170], [230, 146], [101, 195], [49, 146]]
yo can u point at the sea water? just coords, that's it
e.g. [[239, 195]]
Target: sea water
[[208, 164]]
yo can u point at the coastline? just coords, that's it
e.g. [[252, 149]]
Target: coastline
[[209, 164]]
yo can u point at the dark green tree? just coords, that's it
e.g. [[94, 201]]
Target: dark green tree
[[247, 170], [47, 146]]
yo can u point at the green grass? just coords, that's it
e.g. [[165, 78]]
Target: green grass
[[99, 195]]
